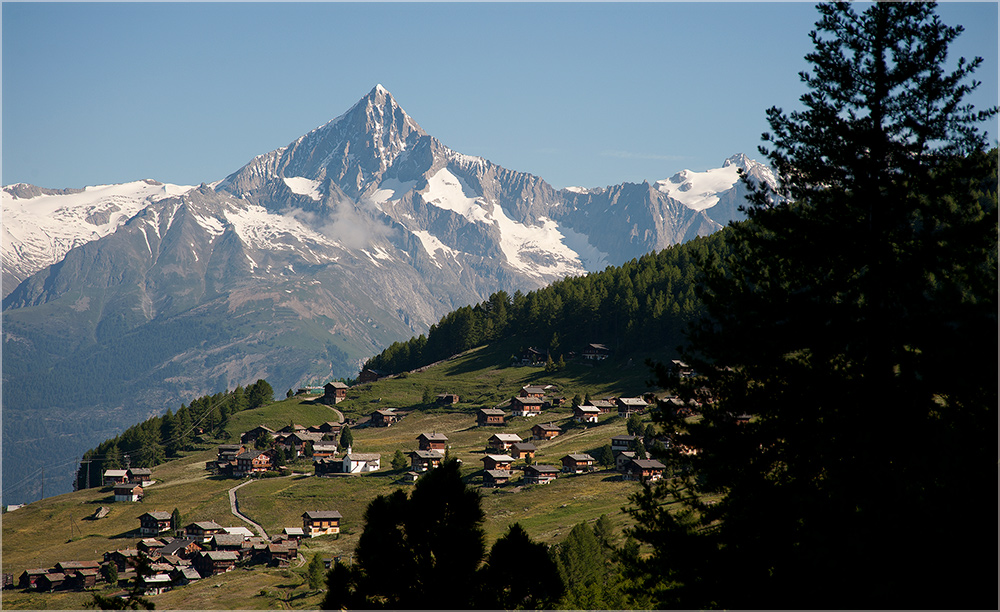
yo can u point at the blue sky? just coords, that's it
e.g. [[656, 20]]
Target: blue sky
[[587, 94]]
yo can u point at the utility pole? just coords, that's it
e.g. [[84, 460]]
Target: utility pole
[[87, 461]]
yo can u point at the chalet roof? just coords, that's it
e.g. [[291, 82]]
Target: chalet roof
[[158, 515], [499, 458], [251, 454], [190, 573], [261, 428], [548, 427], [220, 555], [428, 454], [433, 437], [543, 469], [240, 531], [364, 457], [177, 545], [293, 531], [597, 347], [524, 446], [588, 409], [387, 412], [225, 539], [529, 401], [533, 389], [648, 464], [321, 514], [506, 437], [160, 567], [499, 473], [129, 486], [140, 471], [336, 385], [115, 473], [491, 412], [623, 438], [152, 542], [579, 457], [77, 565], [632, 401], [602, 403], [229, 447], [324, 446], [205, 525]]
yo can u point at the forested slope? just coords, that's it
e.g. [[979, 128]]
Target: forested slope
[[640, 305]]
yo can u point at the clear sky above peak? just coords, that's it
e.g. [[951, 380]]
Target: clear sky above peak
[[587, 94]]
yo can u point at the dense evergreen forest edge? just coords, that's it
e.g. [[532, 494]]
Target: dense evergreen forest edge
[[645, 303]]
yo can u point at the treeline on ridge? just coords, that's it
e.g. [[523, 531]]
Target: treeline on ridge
[[154, 440], [642, 304]]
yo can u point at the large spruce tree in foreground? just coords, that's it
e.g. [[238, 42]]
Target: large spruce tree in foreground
[[856, 321]]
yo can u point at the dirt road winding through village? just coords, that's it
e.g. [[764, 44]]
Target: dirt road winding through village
[[234, 506]]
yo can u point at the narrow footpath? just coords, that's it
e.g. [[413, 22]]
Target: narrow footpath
[[234, 506]]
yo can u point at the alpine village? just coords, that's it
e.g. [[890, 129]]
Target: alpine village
[[796, 411]]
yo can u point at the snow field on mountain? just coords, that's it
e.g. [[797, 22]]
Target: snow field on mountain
[[517, 241], [264, 230], [432, 245], [699, 190], [303, 186], [39, 231]]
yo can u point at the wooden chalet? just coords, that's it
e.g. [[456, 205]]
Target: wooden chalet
[[644, 469], [384, 418], [229, 452], [446, 399], [184, 575], [368, 375], [214, 562], [502, 441], [533, 356], [605, 406], [154, 584], [423, 460], [282, 555], [496, 478], [85, 578], [631, 405], [51, 581], [534, 391], [334, 392], [29, 578], [622, 443], [129, 492], [586, 414], [497, 462], [486, 417], [226, 541], [185, 548], [577, 463], [151, 545], [293, 533], [623, 459], [321, 522], [254, 462], [323, 450], [327, 465], [521, 450], [432, 441], [249, 437], [596, 352], [154, 523], [540, 474], [140, 476], [203, 530], [115, 477], [545, 431], [123, 558], [526, 406]]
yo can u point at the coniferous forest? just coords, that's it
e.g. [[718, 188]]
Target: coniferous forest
[[642, 304]]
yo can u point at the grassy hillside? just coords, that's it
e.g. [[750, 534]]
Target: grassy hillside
[[57, 529]]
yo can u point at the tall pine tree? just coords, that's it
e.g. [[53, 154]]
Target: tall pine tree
[[855, 320]]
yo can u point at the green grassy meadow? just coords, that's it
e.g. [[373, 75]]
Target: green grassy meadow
[[58, 528]]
